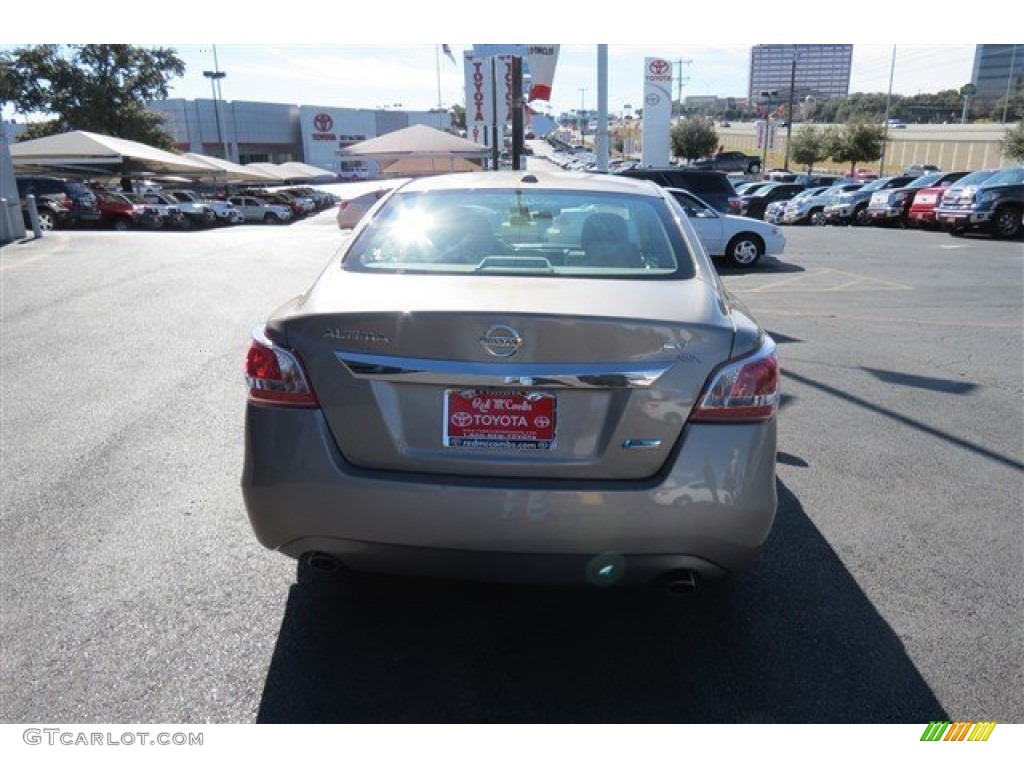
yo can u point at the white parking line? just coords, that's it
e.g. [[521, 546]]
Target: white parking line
[[809, 282]]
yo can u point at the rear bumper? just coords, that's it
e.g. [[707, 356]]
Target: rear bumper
[[709, 512]]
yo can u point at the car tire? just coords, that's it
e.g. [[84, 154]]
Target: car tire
[[271, 218], [47, 221], [185, 223], [753, 169], [817, 218], [1006, 223], [744, 250], [119, 224]]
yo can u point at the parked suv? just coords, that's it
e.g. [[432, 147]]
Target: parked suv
[[996, 207], [70, 194], [926, 201], [755, 205], [892, 206], [712, 187], [730, 162], [852, 207]]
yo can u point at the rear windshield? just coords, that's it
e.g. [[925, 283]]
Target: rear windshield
[[974, 178], [1006, 176], [536, 233], [77, 189], [706, 182]]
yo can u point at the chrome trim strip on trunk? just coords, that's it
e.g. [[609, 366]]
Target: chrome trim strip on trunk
[[468, 374]]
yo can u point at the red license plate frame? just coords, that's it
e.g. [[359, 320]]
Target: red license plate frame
[[510, 419]]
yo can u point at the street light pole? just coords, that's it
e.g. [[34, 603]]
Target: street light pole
[[583, 116], [767, 96], [789, 118], [215, 76]]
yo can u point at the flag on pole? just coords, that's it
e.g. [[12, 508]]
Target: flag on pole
[[447, 51]]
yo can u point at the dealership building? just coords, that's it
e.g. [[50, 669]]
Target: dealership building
[[260, 132]]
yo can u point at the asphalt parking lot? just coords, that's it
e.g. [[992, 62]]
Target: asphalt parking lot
[[889, 592]]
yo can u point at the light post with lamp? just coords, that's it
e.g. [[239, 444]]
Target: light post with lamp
[[215, 77], [583, 117], [766, 140]]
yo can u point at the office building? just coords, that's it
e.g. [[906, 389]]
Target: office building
[[998, 71], [822, 71]]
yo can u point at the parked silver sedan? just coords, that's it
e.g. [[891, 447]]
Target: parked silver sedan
[[476, 386]]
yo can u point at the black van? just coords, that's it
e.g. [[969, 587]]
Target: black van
[[72, 194], [713, 187]]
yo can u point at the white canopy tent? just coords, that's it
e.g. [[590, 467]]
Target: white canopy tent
[[232, 172], [419, 149], [84, 152]]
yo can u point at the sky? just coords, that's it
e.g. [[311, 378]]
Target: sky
[[383, 56]]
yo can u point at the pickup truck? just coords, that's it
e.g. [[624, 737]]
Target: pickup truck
[[224, 211], [995, 207], [193, 214], [729, 162]]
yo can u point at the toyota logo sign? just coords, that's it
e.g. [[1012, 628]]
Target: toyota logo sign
[[659, 67], [323, 122]]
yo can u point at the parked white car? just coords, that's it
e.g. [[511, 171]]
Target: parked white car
[[254, 209], [742, 241]]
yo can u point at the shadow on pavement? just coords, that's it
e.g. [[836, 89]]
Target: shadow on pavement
[[798, 642], [768, 265]]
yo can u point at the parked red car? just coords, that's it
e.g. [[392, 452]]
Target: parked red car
[[120, 213]]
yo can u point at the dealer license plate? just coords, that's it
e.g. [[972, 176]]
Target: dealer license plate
[[492, 419]]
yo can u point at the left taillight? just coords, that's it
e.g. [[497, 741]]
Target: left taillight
[[275, 375], [743, 391]]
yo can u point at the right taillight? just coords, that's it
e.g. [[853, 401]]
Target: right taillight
[[275, 375], [746, 390]]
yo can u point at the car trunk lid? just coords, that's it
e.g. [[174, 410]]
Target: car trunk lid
[[451, 374]]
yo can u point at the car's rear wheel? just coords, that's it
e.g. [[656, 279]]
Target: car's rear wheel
[[860, 216], [744, 250], [47, 221], [271, 218], [1006, 223], [818, 218], [119, 224], [753, 169]]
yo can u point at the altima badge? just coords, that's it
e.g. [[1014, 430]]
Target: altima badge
[[349, 335]]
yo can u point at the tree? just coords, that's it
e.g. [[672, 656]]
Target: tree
[[1013, 143], [809, 147], [458, 113], [694, 138], [1012, 110], [855, 143], [98, 88]]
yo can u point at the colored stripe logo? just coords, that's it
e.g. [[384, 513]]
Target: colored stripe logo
[[961, 730]]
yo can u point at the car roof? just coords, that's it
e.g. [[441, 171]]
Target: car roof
[[533, 180]]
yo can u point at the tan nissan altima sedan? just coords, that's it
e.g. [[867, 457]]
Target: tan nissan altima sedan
[[516, 377]]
